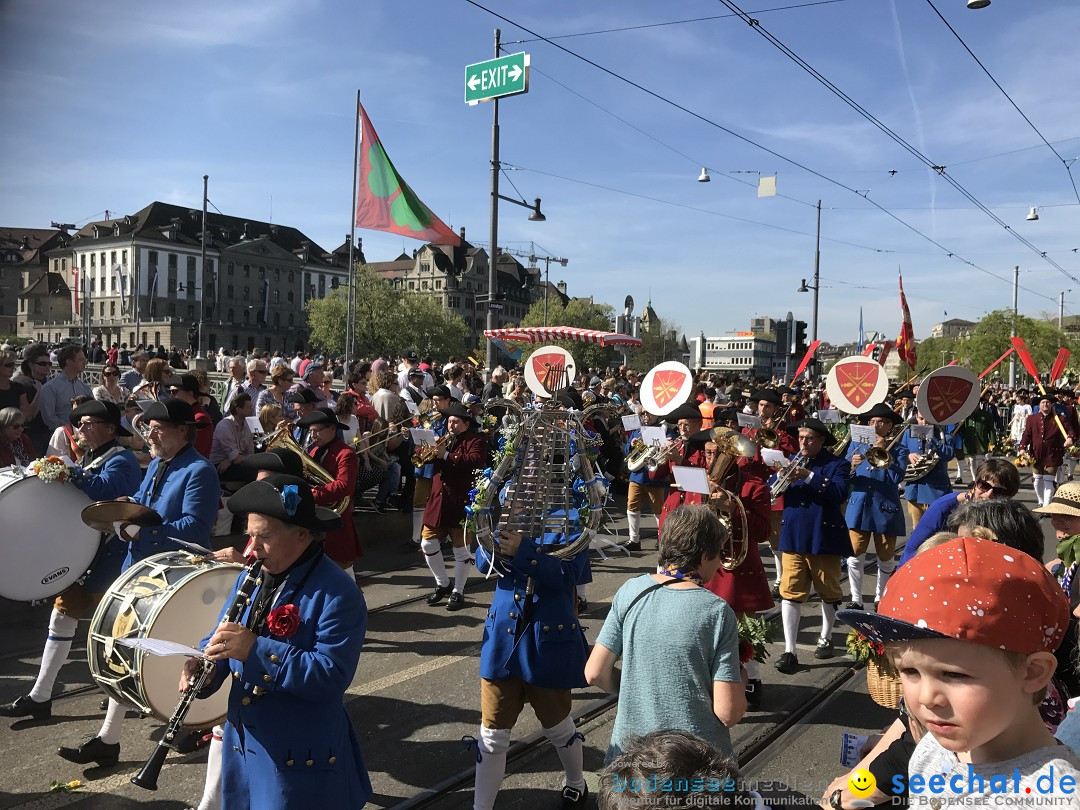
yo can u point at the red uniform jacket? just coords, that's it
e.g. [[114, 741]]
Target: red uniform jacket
[[455, 475], [204, 431], [338, 459], [787, 444], [1042, 436]]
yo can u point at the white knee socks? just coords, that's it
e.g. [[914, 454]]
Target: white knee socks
[[885, 570], [789, 615], [435, 561], [490, 767], [114, 719], [1037, 485], [567, 741], [828, 619], [1049, 486], [57, 646], [973, 464], [461, 567], [417, 523], [581, 591], [855, 568], [211, 797], [633, 526]]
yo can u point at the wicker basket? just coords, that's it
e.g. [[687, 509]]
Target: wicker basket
[[883, 682]]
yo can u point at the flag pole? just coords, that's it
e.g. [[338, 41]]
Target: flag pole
[[350, 313]]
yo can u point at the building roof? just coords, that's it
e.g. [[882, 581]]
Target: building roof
[[158, 220], [956, 322], [29, 244], [57, 286]]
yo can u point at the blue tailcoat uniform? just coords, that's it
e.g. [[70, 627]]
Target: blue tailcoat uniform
[[187, 500], [546, 647], [118, 476], [935, 483], [874, 504], [288, 741], [813, 521]]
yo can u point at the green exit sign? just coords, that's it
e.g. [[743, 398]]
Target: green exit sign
[[495, 78]]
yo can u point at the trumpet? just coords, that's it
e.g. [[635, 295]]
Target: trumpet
[[427, 453], [641, 454], [148, 776], [664, 454], [784, 477]]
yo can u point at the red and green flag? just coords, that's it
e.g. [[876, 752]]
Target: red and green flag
[[905, 344], [385, 202]]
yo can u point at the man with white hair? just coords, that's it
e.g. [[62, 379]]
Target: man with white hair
[[237, 369], [257, 369], [494, 388]]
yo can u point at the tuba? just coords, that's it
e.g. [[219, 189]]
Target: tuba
[[313, 471], [731, 446]]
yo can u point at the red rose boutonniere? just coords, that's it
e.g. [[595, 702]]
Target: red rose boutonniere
[[283, 621]]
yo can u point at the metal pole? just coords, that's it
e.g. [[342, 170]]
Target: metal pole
[[1061, 310], [493, 278], [1012, 357], [350, 312], [817, 285], [202, 265], [547, 266]]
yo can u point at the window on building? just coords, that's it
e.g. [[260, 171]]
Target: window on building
[[438, 284], [246, 294], [151, 258], [262, 272], [191, 311], [277, 296], [112, 259], [335, 282], [322, 285], [425, 267], [232, 269], [93, 261], [290, 297], [123, 259], [209, 268], [247, 316], [112, 309], [292, 276], [37, 306], [277, 274], [101, 309], [93, 284], [277, 319], [412, 285], [230, 292], [172, 261], [247, 271], [423, 285], [191, 264], [291, 319], [232, 316]]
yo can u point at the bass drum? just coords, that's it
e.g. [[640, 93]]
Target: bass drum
[[173, 596], [45, 545]]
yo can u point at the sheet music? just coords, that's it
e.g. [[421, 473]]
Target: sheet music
[[691, 479], [254, 425], [631, 422], [159, 646], [654, 435], [774, 458], [863, 434], [829, 416], [422, 438], [922, 431], [749, 420]]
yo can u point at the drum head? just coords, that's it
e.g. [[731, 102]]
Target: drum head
[[44, 544], [189, 614], [103, 514]]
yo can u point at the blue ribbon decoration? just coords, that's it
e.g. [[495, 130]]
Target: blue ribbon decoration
[[472, 744], [290, 499], [577, 735]]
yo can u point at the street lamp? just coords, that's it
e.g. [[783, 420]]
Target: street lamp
[[547, 265], [493, 270], [804, 287]]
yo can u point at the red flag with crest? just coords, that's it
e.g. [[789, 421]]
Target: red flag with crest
[[905, 344], [385, 202]]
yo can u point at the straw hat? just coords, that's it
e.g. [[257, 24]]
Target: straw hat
[[1066, 501]]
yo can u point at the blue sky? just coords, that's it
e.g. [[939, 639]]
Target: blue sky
[[112, 104]]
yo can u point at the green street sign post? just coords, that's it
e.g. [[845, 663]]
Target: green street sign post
[[497, 78]]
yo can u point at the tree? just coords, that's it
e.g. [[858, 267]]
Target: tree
[[659, 342], [581, 313], [388, 321]]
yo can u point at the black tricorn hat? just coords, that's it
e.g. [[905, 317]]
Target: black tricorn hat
[[816, 425], [321, 416], [286, 498], [457, 409], [302, 396], [725, 415], [172, 410], [105, 411], [438, 391], [882, 411], [767, 395], [684, 411], [278, 460]]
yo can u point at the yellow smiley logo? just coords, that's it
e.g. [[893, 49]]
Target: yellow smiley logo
[[862, 783]]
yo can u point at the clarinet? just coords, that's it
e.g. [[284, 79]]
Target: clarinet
[[148, 776]]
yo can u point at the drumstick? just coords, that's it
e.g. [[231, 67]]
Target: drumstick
[[192, 546]]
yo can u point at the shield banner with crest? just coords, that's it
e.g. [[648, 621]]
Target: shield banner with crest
[[856, 384], [666, 387], [948, 396]]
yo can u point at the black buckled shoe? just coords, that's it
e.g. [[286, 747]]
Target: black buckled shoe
[[824, 648], [26, 707], [93, 750], [574, 799], [753, 694], [456, 601], [440, 593], [632, 545], [582, 605], [853, 606], [787, 663]]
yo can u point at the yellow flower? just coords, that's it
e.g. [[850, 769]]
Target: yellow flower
[[74, 784]]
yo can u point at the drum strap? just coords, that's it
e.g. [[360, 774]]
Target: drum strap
[[99, 461]]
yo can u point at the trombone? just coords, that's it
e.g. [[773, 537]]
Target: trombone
[[880, 458], [427, 453]]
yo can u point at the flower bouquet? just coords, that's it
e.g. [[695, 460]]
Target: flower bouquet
[[753, 636], [882, 679], [50, 469], [1024, 459]]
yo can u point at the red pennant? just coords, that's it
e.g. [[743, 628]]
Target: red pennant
[[1025, 356], [666, 385], [1062, 360], [857, 381], [946, 395]]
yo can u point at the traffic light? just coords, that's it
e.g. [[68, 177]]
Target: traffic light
[[800, 338], [782, 342]]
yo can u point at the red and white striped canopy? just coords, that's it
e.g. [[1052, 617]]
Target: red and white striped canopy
[[543, 334]]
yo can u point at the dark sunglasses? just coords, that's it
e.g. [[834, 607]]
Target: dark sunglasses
[[43, 363], [986, 486], [110, 374]]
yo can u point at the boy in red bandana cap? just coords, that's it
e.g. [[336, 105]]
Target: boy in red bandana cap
[[972, 627]]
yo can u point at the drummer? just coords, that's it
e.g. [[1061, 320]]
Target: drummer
[[182, 487], [108, 471], [289, 679]]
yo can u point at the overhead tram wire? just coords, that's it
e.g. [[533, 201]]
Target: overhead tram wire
[[791, 161], [940, 169], [664, 144], [669, 23], [1065, 163]]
